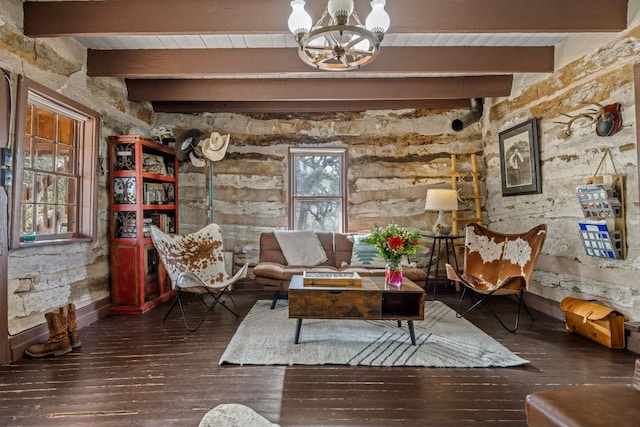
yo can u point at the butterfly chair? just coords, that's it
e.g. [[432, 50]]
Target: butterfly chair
[[497, 264], [195, 264]]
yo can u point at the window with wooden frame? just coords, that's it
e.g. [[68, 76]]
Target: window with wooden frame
[[317, 189], [55, 164]]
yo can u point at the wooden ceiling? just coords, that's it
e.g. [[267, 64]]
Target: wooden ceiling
[[238, 56]]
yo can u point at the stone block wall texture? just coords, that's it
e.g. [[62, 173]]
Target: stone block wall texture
[[604, 74], [42, 278], [393, 157]]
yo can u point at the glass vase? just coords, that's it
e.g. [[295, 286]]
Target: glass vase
[[393, 274]]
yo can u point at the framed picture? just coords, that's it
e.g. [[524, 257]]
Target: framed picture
[[520, 159]]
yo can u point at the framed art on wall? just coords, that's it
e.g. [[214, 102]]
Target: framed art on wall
[[520, 159]]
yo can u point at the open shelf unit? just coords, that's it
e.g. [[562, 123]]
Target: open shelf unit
[[143, 191]]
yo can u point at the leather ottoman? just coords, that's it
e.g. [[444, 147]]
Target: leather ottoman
[[586, 405]]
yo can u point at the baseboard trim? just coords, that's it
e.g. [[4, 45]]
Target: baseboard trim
[[544, 305], [84, 316]]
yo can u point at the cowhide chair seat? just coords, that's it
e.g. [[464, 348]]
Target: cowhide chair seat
[[497, 264], [195, 263]]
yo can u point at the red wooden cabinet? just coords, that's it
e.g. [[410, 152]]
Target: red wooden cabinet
[[143, 190]]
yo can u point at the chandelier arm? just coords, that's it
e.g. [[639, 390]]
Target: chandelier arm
[[354, 41], [322, 58]]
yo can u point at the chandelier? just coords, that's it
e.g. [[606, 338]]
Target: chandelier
[[338, 41]]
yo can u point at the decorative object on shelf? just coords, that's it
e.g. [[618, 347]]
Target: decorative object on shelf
[[153, 163], [441, 200], [124, 157], [603, 231], [163, 134], [338, 41], [607, 118], [520, 159], [124, 190], [392, 243]]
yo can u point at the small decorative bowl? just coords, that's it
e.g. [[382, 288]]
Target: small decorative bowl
[[29, 237]]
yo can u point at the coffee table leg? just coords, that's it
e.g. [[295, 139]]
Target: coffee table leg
[[299, 325], [412, 333]]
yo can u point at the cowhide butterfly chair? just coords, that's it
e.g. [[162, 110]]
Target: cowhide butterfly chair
[[195, 263], [497, 264]]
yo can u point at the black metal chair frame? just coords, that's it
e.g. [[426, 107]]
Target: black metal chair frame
[[483, 301], [200, 296]]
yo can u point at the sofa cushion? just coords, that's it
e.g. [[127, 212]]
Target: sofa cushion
[[301, 247], [342, 248], [364, 254], [270, 249]]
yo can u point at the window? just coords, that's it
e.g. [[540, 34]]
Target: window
[[54, 196], [317, 190]]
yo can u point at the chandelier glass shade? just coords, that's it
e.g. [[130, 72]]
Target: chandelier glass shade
[[338, 41]]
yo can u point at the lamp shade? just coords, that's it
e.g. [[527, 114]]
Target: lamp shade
[[441, 200], [299, 20], [378, 20]]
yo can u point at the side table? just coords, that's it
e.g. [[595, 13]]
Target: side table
[[447, 254]]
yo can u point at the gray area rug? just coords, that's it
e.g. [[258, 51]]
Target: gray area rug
[[265, 337]]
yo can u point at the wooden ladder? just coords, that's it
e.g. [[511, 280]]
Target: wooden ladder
[[456, 177]]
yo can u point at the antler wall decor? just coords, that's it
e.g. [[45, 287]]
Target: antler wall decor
[[607, 119]]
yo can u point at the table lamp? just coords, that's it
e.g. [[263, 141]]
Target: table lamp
[[441, 200]]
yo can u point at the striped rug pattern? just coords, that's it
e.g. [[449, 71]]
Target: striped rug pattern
[[265, 337]]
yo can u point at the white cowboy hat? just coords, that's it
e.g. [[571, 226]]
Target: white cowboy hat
[[215, 147]]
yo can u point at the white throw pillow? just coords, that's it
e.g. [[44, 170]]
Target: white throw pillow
[[364, 254]]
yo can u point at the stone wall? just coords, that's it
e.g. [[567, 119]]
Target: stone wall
[[392, 158], [603, 74], [44, 277]]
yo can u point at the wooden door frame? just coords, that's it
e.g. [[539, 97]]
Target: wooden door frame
[[5, 117]]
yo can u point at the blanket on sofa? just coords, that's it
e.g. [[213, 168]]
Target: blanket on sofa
[[301, 247]]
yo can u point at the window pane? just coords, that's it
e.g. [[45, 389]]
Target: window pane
[[315, 215], [26, 221], [46, 190], [317, 176], [66, 130], [27, 129], [64, 159], [44, 124], [28, 143], [27, 187], [67, 191], [64, 219], [44, 219], [43, 156]]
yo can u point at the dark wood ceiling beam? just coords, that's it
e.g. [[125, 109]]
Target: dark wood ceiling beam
[[158, 63], [342, 89], [188, 107], [126, 17]]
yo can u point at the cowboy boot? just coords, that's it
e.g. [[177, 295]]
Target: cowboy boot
[[58, 342], [72, 325]]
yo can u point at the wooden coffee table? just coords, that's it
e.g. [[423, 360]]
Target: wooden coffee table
[[373, 301]]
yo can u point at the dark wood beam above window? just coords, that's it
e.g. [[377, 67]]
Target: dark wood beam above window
[[314, 90], [73, 18], [158, 63], [188, 107]]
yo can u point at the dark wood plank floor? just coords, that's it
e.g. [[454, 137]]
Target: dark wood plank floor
[[138, 371]]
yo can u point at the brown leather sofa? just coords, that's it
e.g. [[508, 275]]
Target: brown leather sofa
[[273, 272]]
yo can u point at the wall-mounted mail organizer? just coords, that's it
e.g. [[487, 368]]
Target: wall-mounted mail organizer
[[603, 231]]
